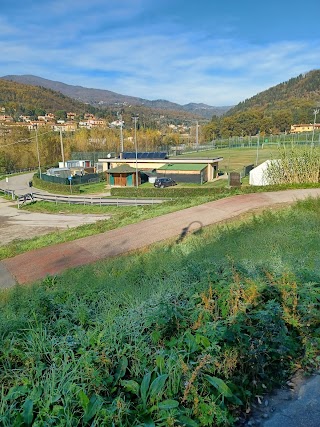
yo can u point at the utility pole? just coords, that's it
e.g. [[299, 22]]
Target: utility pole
[[38, 153], [62, 150]]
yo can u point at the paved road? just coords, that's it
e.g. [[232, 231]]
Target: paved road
[[296, 405], [21, 224], [35, 265], [18, 183]]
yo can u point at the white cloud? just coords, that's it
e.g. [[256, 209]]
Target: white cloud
[[100, 45]]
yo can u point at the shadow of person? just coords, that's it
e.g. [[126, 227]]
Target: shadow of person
[[187, 229]]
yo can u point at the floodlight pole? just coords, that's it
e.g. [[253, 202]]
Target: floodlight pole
[[135, 118], [197, 134], [121, 133], [315, 112], [258, 143]]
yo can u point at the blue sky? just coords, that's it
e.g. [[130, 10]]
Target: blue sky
[[219, 53]]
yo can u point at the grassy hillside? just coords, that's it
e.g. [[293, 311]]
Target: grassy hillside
[[187, 334]]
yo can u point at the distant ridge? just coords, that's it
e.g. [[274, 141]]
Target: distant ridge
[[105, 98], [27, 99]]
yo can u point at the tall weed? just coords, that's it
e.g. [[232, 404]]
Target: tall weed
[[186, 334]]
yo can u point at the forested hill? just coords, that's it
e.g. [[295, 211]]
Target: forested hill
[[302, 91], [106, 98], [26, 99], [273, 111]]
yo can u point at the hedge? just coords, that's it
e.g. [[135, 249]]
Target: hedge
[[176, 192]]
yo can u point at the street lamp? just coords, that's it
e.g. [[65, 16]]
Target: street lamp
[[61, 143], [135, 118], [315, 112]]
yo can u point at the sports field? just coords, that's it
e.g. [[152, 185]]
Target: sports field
[[234, 159]]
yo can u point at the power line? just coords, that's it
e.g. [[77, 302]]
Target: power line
[[25, 139]]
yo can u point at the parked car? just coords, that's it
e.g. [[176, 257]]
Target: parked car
[[164, 182]]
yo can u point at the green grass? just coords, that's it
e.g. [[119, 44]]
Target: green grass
[[120, 216], [188, 333], [234, 159], [93, 188]]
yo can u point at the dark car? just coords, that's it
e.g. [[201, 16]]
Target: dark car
[[164, 182]]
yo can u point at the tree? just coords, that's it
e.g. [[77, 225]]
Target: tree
[[282, 120], [61, 115]]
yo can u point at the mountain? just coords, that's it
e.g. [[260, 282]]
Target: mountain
[[18, 98], [272, 111], [105, 98], [302, 91]]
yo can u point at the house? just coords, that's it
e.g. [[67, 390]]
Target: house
[[33, 125], [76, 164], [5, 118], [96, 123], [116, 124], [71, 116], [123, 176], [304, 128], [89, 116], [84, 124], [65, 127], [60, 172], [25, 118]]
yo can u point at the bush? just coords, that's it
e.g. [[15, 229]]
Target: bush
[[295, 165], [179, 192], [54, 188]]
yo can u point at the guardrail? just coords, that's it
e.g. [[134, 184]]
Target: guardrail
[[8, 193], [87, 201]]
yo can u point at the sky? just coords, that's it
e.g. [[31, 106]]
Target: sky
[[204, 51]]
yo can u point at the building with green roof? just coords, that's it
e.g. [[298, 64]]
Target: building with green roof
[[183, 169]]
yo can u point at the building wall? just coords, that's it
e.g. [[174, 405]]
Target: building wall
[[194, 178], [304, 128], [211, 168], [140, 164]]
